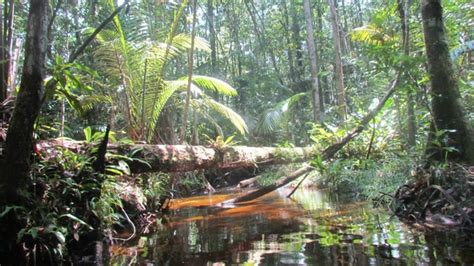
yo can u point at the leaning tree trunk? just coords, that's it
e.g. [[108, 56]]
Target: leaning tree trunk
[[18, 147], [448, 113], [327, 154]]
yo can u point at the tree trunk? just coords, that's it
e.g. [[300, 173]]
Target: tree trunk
[[16, 165], [296, 39], [3, 85], [261, 38], [411, 119], [313, 60], [447, 110], [339, 73], [19, 141], [6, 50], [190, 77], [289, 50], [212, 36]]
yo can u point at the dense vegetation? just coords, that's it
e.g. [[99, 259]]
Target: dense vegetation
[[218, 73]]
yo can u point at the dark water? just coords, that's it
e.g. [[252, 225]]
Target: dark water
[[309, 229]]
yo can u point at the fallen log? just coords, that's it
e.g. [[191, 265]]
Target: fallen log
[[247, 182], [183, 158], [327, 154]]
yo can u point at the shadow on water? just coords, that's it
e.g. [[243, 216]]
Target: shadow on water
[[312, 228]]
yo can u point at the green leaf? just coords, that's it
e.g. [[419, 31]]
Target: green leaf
[[213, 84], [229, 114], [76, 219], [60, 236], [8, 209], [87, 134]]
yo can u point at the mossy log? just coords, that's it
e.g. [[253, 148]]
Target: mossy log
[[183, 158]]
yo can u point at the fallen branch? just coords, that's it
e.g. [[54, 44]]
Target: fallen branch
[[297, 186], [267, 189], [327, 154]]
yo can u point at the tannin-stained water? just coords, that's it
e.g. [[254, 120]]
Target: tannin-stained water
[[311, 228]]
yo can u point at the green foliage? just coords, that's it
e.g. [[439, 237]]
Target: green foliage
[[278, 116], [154, 187], [136, 69], [370, 34], [441, 142], [66, 200], [69, 81], [367, 178]]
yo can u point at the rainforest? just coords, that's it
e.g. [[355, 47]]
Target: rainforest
[[236, 132]]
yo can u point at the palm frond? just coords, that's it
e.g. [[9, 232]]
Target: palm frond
[[277, 115], [165, 94], [182, 41], [197, 107], [233, 117], [213, 84], [370, 34]]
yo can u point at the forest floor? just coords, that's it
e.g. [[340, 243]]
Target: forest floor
[[438, 198]]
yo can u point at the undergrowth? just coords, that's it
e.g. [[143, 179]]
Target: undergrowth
[[68, 205], [366, 179]]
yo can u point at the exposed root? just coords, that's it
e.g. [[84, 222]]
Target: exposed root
[[438, 198]]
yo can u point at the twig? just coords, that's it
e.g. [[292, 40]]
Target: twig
[[102, 25], [455, 204], [298, 185], [134, 229]]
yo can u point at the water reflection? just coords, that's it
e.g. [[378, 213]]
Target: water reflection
[[312, 228]]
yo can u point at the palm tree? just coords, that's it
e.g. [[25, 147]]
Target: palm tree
[[134, 69]]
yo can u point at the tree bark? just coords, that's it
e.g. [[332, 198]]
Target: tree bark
[[289, 50], [447, 110], [313, 60], [18, 146]]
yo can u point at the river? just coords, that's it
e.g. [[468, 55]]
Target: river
[[311, 228]]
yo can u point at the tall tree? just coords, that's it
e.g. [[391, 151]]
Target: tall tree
[[6, 48], [18, 149], [313, 60], [339, 72], [212, 35], [296, 40], [190, 75], [447, 110], [403, 8], [20, 133]]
